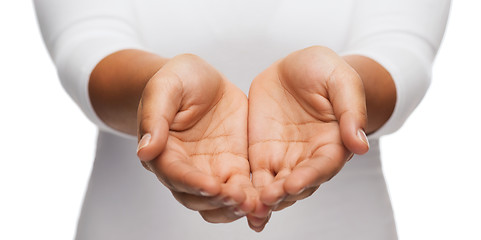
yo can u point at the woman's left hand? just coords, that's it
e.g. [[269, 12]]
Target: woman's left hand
[[307, 113]]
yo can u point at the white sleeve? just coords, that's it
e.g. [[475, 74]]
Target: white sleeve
[[78, 34], [403, 36]]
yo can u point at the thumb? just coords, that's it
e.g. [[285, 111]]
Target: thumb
[[346, 93], [161, 100]]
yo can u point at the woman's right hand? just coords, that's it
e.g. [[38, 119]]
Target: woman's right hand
[[192, 129]]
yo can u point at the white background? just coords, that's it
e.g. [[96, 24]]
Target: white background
[[432, 165]]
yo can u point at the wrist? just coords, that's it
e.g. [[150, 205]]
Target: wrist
[[379, 87], [116, 85]]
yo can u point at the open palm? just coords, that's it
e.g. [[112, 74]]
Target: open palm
[[201, 139], [295, 137]]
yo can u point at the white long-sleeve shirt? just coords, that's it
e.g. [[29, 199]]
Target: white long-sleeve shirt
[[240, 39]]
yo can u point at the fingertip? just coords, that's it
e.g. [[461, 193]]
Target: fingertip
[[152, 141], [240, 197], [233, 195], [238, 212], [248, 206], [354, 137], [150, 147], [274, 193], [210, 187], [361, 134], [260, 210], [257, 229], [251, 199], [258, 223], [144, 143], [294, 185], [183, 177], [261, 178]]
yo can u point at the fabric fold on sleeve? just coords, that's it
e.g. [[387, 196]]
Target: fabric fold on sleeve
[[411, 73], [79, 35], [403, 37], [76, 62]]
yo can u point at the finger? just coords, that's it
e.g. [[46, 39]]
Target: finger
[[261, 158], [181, 176], [270, 198], [233, 194], [222, 215], [304, 194], [260, 209], [240, 192], [283, 205], [274, 193], [202, 203], [262, 178], [234, 174], [313, 172], [160, 102], [270, 190], [198, 203], [346, 93], [258, 224]]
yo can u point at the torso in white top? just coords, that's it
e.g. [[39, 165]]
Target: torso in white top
[[240, 39], [126, 202]]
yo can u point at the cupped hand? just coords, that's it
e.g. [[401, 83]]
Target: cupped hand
[[192, 128], [306, 118]]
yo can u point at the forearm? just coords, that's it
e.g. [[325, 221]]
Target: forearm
[[116, 85], [379, 89]]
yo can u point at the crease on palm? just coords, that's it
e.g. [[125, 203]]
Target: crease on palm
[[298, 128], [207, 144]]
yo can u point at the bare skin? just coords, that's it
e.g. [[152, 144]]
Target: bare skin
[[307, 113], [204, 158], [194, 128], [305, 116]]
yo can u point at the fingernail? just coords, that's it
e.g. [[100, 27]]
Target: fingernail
[[229, 201], [205, 194], [350, 157], [300, 191], [238, 212], [144, 141], [278, 201], [362, 135]]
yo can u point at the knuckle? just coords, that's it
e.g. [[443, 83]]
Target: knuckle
[[188, 60], [146, 120], [188, 56]]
